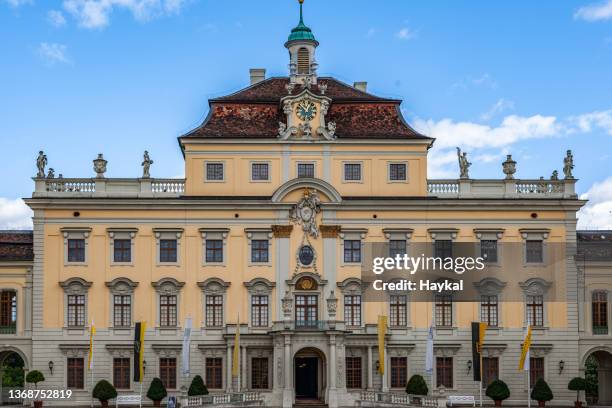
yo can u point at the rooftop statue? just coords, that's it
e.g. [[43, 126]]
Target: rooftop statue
[[146, 165], [41, 163], [464, 164], [568, 165]]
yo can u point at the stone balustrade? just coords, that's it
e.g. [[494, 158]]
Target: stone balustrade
[[512, 188], [107, 187]]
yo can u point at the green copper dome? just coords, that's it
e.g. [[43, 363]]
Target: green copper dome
[[301, 32]]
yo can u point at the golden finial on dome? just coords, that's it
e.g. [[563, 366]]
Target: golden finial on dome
[[301, 1]]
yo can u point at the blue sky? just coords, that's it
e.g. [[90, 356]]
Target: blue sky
[[78, 77]]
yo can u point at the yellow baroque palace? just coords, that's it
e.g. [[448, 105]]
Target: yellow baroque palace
[[286, 182]]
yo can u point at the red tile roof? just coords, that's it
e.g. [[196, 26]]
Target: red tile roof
[[16, 246], [255, 111]]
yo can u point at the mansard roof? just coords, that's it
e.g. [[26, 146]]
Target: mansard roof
[[254, 112], [16, 246]]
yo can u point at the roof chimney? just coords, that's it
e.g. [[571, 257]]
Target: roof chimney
[[257, 75], [362, 86]]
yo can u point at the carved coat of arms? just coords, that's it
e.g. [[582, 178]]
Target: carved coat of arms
[[305, 213]]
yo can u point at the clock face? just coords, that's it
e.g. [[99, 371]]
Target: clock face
[[306, 110]]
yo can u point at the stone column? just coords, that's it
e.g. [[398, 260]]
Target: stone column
[[287, 390], [385, 376], [228, 370], [369, 368], [243, 369], [332, 393]]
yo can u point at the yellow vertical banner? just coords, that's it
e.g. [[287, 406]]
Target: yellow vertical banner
[[236, 356], [482, 331], [525, 349], [382, 331], [92, 332]]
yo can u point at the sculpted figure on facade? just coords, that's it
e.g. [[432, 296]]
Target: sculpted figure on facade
[[331, 128], [305, 211], [146, 165], [555, 175], [323, 88], [51, 173], [41, 163], [568, 165], [464, 164], [281, 128]]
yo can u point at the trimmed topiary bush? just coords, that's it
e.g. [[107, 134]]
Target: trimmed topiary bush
[[157, 391], [34, 377], [197, 387], [417, 385], [104, 391], [498, 391], [577, 384], [541, 392]]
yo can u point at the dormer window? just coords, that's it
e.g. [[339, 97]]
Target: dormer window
[[303, 61]]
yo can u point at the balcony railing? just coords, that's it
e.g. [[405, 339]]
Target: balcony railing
[[10, 329], [98, 187], [600, 329], [251, 398], [514, 188]]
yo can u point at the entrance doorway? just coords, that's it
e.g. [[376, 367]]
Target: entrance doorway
[[306, 378], [309, 375], [598, 373]]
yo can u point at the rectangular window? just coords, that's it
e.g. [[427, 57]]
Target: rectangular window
[[214, 250], [167, 250], [260, 172], [352, 310], [122, 310], [600, 312], [444, 372], [259, 310], [8, 312], [444, 311], [76, 310], [488, 250], [488, 310], [306, 310], [536, 369], [352, 172], [443, 248], [259, 373], [167, 372], [535, 311], [397, 171], [397, 247], [306, 170], [397, 309], [353, 372], [214, 372], [534, 251], [167, 310], [259, 250], [76, 250], [399, 372], [214, 310], [490, 370], [214, 171], [352, 250], [75, 373], [121, 373], [122, 250]]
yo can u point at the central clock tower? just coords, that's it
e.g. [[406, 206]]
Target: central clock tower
[[302, 45]]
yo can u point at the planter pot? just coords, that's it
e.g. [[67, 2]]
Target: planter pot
[[577, 404], [104, 404], [157, 403], [38, 404], [541, 404], [498, 403]]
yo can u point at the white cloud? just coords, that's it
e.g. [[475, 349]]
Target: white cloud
[[56, 18], [598, 119], [53, 53], [595, 11], [498, 107], [406, 34], [96, 13], [598, 211], [371, 32], [18, 3], [15, 214]]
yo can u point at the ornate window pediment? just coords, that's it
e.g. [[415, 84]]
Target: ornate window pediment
[[259, 286], [214, 286], [121, 286], [168, 286], [75, 286], [489, 286], [351, 286], [535, 286]]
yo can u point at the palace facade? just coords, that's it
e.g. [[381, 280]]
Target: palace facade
[[286, 182]]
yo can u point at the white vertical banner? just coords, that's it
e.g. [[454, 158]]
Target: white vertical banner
[[186, 346], [429, 353]]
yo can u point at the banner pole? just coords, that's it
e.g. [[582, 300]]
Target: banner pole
[[529, 387], [481, 379], [141, 393], [91, 385]]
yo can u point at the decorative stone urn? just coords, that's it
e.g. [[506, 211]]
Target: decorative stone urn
[[100, 166], [509, 167]]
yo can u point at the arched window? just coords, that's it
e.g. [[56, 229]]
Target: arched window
[[303, 61], [600, 312]]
